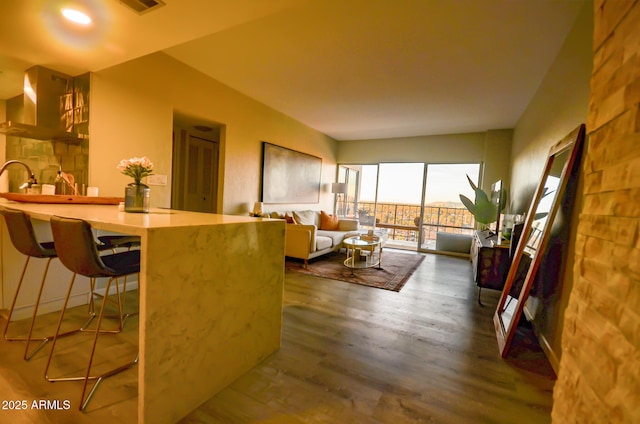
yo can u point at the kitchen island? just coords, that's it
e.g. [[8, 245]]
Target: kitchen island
[[210, 292]]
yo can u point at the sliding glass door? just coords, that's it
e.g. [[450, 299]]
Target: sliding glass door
[[443, 213], [398, 200], [414, 202]]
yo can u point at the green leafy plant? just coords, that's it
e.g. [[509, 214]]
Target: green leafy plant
[[483, 210]]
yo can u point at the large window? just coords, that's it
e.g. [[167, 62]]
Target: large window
[[413, 201], [443, 211]]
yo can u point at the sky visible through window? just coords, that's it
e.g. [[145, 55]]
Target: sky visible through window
[[402, 182]]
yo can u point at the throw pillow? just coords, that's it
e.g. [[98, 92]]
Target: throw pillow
[[289, 218], [328, 222], [305, 217]]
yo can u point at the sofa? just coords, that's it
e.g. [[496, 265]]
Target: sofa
[[309, 235]]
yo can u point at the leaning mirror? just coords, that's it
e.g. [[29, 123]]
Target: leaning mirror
[[535, 234]]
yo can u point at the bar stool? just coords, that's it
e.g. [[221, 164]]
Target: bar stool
[[77, 251], [114, 242], [23, 237], [24, 240]]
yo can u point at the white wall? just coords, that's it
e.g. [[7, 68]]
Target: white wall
[[132, 108]]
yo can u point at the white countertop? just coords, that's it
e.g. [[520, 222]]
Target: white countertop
[[108, 217]]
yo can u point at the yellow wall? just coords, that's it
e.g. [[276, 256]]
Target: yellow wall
[[132, 108], [559, 106], [4, 181], [497, 152], [4, 184]]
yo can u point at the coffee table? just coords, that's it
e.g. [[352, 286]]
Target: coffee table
[[363, 252]]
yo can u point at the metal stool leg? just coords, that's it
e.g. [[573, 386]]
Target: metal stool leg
[[13, 304], [58, 335], [28, 355], [121, 317], [43, 340], [85, 401], [28, 339], [124, 298]]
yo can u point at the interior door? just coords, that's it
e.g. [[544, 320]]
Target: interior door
[[201, 182]]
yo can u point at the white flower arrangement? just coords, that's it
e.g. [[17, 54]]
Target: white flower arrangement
[[136, 168]]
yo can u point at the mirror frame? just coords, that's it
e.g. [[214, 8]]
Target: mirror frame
[[505, 333]]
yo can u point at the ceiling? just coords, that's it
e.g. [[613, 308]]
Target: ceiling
[[352, 69]]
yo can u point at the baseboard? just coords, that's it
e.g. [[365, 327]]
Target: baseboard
[[548, 352], [131, 285], [55, 305], [26, 311], [445, 253]]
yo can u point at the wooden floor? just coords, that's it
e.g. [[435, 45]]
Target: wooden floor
[[350, 354]]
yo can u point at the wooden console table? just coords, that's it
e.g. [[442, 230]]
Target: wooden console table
[[490, 261]]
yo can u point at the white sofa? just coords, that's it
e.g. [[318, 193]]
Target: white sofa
[[306, 240]]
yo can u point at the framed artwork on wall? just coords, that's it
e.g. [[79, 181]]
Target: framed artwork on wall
[[289, 176]]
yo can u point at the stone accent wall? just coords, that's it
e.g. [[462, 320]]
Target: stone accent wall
[[599, 378], [45, 157]]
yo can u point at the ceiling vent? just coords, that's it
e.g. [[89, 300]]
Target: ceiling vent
[[143, 6]]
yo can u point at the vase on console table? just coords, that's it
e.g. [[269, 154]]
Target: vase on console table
[[136, 198]]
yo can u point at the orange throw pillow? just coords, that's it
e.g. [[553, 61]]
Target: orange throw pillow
[[289, 219], [328, 222]]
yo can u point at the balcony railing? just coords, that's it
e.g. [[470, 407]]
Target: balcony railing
[[402, 220]]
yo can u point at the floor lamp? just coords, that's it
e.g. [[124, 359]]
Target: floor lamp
[[339, 189]]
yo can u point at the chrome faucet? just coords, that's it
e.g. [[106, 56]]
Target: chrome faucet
[[32, 177]]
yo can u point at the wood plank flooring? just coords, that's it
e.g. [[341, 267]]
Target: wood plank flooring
[[350, 354]]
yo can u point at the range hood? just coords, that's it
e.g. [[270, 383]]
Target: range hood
[[18, 129], [46, 109]]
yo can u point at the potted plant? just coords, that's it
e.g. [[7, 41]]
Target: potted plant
[[483, 210], [136, 197]]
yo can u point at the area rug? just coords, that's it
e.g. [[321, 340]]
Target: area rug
[[396, 269]]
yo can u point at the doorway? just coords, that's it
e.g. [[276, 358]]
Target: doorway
[[196, 161]]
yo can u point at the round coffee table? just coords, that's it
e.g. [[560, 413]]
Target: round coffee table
[[363, 252]]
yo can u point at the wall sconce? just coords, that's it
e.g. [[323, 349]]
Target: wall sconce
[[340, 189]]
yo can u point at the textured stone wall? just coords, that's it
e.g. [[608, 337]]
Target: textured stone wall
[[599, 378], [45, 158]]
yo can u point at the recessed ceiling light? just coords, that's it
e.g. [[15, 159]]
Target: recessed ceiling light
[[76, 16]]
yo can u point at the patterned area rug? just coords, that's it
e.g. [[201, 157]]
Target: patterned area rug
[[396, 269]]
